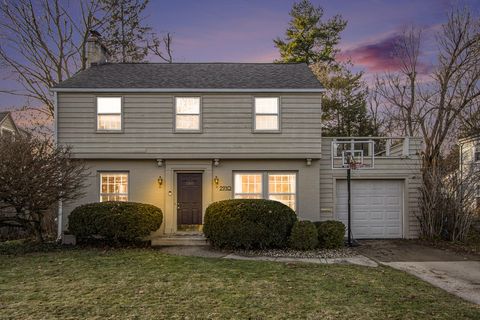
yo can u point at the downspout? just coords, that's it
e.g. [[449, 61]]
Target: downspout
[[55, 136]]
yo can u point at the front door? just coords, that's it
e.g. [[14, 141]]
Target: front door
[[189, 199]]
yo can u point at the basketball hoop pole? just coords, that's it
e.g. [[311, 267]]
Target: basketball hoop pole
[[349, 207]]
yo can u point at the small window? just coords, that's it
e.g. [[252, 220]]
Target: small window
[[109, 113], [282, 188], [266, 114], [113, 186], [248, 186], [187, 114]]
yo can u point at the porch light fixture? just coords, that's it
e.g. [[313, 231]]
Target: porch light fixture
[[160, 181], [216, 180]]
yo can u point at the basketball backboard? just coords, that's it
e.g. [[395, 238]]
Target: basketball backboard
[[355, 154]]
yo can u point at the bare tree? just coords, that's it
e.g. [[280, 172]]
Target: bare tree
[[432, 107], [161, 48], [42, 44], [34, 176]]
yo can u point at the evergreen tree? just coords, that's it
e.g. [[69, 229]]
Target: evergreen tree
[[344, 105], [308, 38], [125, 35], [311, 40]]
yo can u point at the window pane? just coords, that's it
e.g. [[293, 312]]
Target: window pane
[[266, 105], [188, 105], [109, 122], [287, 199], [114, 187], [183, 122], [266, 122], [248, 183], [281, 183], [109, 105]]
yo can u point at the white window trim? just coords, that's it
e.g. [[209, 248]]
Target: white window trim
[[265, 193], [109, 114], [100, 193], [476, 149], [278, 114], [199, 114]]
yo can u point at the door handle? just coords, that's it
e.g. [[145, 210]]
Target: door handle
[[178, 205]]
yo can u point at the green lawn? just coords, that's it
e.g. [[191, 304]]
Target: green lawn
[[146, 284]]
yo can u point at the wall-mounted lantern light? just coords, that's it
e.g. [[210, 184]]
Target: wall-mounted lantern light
[[216, 180], [160, 181]]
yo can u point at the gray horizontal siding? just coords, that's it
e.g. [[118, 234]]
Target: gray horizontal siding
[[226, 128], [404, 168]]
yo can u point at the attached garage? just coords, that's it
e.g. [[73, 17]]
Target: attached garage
[[377, 208]]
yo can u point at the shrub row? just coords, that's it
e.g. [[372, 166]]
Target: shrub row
[[248, 223], [259, 223], [115, 221]]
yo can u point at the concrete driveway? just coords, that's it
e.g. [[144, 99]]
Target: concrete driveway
[[456, 273]]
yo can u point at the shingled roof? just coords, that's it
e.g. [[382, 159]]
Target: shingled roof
[[191, 76]]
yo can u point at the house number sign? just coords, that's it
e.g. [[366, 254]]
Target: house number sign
[[225, 188]]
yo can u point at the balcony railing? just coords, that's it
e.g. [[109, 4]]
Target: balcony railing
[[364, 150]]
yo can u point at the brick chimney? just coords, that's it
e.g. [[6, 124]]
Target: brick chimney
[[97, 53]]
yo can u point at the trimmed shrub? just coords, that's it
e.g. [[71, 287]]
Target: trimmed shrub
[[115, 221], [248, 223], [304, 236], [331, 234]]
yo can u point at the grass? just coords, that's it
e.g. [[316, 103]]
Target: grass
[[146, 284]]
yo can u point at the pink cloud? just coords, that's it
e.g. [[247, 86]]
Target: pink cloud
[[378, 55], [374, 56]]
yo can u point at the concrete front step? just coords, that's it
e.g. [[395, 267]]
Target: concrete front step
[[179, 240]]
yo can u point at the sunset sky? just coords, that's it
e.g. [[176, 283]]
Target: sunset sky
[[242, 30]]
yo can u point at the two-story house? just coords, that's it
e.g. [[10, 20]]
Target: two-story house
[[183, 135]]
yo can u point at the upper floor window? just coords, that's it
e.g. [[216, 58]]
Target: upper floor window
[[113, 186], [267, 114], [109, 113], [187, 114]]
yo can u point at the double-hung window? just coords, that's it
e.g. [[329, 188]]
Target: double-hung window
[[267, 115], [282, 187], [109, 113], [113, 186], [187, 114], [278, 186], [248, 185]]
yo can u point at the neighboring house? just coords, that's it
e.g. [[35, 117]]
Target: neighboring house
[[470, 164], [181, 136], [7, 125]]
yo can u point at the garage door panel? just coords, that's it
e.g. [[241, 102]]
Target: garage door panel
[[377, 207]]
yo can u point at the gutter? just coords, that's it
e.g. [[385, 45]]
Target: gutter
[[174, 90]]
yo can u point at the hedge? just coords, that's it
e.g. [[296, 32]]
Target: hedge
[[304, 236], [248, 223], [114, 220], [331, 234]]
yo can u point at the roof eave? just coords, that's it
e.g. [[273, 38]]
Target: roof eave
[[169, 90]]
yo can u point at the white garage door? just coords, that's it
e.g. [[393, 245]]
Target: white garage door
[[377, 207]]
